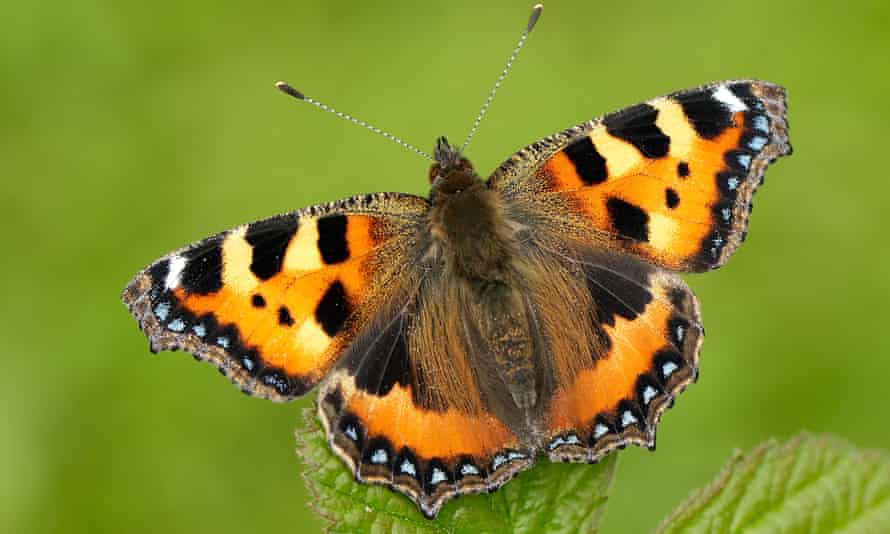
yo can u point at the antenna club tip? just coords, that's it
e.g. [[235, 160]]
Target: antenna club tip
[[533, 18], [288, 90]]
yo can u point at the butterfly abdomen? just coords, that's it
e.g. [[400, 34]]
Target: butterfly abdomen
[[504, 325]]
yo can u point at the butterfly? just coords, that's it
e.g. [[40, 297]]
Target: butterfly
[[457, 338]]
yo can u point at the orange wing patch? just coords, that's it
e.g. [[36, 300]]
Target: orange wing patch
[[293, 316], [442, 434], [651, 334], [663, 208], [429, 455], [670, 180], [274, 303]]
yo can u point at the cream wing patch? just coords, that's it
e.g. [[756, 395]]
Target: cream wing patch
[[237, 257], [303, 253], [673, 122]]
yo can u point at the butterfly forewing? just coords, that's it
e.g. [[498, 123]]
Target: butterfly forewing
[[274, 303], [669, 180]]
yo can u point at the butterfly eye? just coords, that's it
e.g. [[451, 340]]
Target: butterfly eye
[[466, 166], [435, 172]]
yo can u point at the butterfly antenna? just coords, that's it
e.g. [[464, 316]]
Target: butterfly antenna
[[288, 90], [532, 20]]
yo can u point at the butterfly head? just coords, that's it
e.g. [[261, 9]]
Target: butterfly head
[[464, 216], [451, 173]]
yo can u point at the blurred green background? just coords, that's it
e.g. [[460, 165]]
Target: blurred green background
[[128, 129]]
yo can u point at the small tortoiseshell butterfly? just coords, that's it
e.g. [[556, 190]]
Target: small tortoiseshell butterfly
[[456, 338]]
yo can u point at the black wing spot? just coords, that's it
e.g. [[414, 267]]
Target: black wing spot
[[636, 125], [333, 309], [671, 198], [202, 273], [284, 317], [258, 301], [269, 239], [588, 162], [332, 239], [629, 220], [708, 116], [682, 169]]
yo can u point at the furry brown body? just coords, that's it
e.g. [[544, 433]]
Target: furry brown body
[[477, 245]]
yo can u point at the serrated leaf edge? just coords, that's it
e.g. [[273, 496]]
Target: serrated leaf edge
[[740, 464]]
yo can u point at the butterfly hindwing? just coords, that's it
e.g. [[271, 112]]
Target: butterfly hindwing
[[649, 332], [669, 180], [386, 415], [274, 303]]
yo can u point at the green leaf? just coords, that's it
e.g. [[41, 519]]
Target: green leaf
[[810, 484], [551, 497]]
